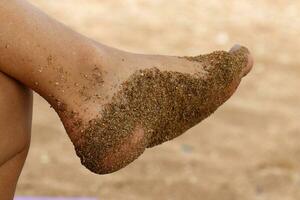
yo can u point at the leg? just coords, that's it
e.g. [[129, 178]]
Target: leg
[[15, 126], [113, 104]]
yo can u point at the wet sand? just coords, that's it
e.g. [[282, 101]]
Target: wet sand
[[249, 149]]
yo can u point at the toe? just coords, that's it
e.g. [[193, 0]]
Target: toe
[[243, 53]]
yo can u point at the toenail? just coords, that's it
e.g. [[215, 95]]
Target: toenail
[[235, 48]]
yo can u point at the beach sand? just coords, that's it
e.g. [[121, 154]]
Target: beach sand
[[249, 149]]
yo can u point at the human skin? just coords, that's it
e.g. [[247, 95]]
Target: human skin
[[15, 127], [71, 71]]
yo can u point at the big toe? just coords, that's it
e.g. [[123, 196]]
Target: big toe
[[242, 53]]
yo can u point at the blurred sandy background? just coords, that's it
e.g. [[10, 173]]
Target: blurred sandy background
[[250, 149]]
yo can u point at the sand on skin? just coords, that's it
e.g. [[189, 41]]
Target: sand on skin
[[249, 149]]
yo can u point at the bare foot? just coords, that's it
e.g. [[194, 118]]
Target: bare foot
[[113, 104], [117, 105]]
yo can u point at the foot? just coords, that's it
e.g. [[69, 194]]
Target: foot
[[118, 104]]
